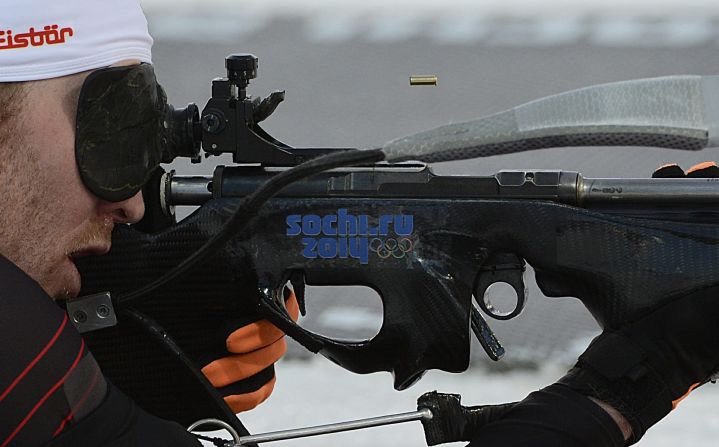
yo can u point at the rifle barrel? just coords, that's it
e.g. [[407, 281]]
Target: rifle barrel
[[559, 186]]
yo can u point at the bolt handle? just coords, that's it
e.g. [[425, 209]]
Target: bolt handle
[[241, 68]]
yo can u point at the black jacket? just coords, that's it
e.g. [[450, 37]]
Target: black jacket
[[52, 391]]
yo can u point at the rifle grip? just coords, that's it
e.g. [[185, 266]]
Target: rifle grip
[[426, 312]]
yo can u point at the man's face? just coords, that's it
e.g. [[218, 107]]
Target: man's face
[[47, 216]]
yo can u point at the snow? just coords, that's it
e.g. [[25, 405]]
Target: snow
[[318, 392]]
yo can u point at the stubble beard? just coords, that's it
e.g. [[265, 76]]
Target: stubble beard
[[29, 234]]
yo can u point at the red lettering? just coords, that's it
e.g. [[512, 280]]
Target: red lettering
[[50, 35]]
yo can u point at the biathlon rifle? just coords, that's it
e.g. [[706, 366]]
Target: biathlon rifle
[[381, 218]]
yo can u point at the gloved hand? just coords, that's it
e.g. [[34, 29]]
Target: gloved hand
[[644, 369], [707, 169], [246, 376]]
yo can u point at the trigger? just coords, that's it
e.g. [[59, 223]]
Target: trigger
[[297, 279], [486, 337]]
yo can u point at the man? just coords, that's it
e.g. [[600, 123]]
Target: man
[[51, 389]]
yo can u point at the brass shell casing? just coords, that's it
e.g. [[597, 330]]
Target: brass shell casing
[[423, 80]]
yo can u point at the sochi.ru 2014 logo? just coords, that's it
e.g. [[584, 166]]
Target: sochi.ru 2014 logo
[[344, 235]]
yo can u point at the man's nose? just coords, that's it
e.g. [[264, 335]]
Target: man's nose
[[128, 211]]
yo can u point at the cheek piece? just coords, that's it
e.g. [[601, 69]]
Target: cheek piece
[[125, 129]]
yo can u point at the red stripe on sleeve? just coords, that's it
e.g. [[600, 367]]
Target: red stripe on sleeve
[[37, 358], [79, 403], [45, 397]]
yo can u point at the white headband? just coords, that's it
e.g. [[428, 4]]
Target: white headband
[[42, 39]]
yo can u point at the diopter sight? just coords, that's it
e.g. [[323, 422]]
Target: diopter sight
[[231, 116]]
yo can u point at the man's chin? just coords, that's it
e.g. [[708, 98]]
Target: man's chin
[[66, 282]]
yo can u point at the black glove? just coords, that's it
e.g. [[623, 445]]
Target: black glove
[[644, 369], [647, 367]]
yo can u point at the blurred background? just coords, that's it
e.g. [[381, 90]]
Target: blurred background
[[345, 68]]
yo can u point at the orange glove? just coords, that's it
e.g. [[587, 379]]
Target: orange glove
[[254, 349], [707, 169]]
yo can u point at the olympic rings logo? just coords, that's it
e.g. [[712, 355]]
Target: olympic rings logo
[[396, 248]]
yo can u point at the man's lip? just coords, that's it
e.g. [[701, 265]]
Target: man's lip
[[90, 251]]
